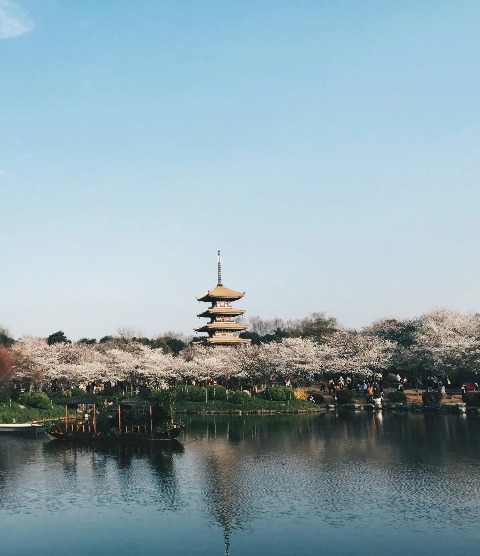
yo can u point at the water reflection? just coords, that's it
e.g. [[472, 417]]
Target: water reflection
[[340, 435], [344, 466], [252, 484]]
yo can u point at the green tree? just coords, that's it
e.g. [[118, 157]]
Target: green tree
[[58, 338], [169, 344], [401, 332], [5, 337], [316, 327], [105, 339]]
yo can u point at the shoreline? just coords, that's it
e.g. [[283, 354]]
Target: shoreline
[[406, 407]]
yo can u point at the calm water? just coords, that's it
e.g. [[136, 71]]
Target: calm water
[[346, 484]]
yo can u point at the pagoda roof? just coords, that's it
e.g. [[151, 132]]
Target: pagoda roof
[[221, 292], [227, 340], [222, 326], [230, 340], [230, 311]]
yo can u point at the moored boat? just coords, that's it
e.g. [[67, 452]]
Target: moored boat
[[21, 428], [126, 420]]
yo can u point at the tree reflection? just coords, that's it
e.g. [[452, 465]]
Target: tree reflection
[[126, 467]]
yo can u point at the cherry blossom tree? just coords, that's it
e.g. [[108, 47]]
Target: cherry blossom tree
[[353, 353], [452, 339], [440, 341]]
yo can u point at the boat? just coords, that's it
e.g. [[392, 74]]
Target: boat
[[21, 428], [134, 419]]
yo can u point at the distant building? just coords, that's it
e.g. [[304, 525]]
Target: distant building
[[222, 329]]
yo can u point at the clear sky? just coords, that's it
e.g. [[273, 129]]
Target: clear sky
[[329, 149]]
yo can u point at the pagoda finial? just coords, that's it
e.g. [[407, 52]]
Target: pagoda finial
[[219, 270]]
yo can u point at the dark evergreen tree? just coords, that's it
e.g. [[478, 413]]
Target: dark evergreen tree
[[58, 338]]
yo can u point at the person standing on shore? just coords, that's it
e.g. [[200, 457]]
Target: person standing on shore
[[334, 391], [357, 388], [370, 393], [330, 386]]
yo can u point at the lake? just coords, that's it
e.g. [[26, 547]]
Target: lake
[[287, 484]]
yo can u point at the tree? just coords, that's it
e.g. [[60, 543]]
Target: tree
[[5, 337], [317, 327], [298, 358], [170, 342], [402, 332], [350, 352], [6, 363], [276, 336], [106, 339], [128, 333], [407, 358], [260, 327], [452, 340], [58, 338]]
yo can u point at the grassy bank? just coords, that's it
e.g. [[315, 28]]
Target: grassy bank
[[253, 405], [18, 413]]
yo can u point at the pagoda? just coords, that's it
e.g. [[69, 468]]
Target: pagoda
[[222, 328]]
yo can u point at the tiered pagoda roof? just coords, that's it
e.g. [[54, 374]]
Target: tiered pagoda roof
[[221, 292], [223, 328]]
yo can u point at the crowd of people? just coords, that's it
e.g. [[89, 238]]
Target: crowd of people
[[370, 389]]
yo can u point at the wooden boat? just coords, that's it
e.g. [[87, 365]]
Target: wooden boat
[[127, 420], [21, 428]]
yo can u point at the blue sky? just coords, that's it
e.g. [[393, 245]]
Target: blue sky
[[329, 149]]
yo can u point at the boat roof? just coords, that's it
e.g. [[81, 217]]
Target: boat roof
[[75, 402]]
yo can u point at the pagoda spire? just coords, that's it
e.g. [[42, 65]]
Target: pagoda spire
[[219, 267]]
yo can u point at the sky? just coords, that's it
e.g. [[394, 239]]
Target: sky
[[330, 150]]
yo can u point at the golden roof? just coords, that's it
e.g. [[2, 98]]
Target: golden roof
[[227, 340], [222, 326], [231, 311], [221, 292]]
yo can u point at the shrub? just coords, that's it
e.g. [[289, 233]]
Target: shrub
[[161, 395], [276, 393], [77, 393], [300, 394], [344, 396], [431, 399], [4, 392], [197, 394], [15, 394], [241, 397], [472, 399], [216, 392], [290, 394], [40, 400], [181, 391], [279, 393], [396, 396], [317, 398]]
